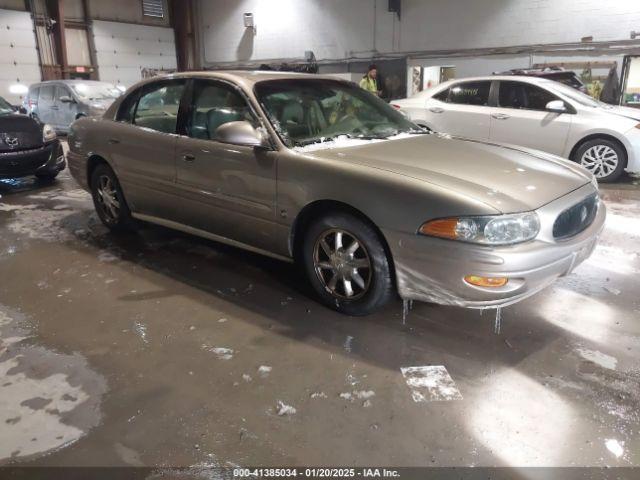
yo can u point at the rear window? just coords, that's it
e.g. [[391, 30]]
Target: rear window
[[470, 93], [34, 92]]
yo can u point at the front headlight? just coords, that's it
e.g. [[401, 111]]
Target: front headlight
[[488, 230], [48, 133]]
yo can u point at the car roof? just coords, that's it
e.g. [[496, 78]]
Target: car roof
[[248, 78], [69, 82], [506, 78]]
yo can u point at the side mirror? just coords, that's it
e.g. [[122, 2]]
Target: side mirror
[[556, 106], [241, 133], [66, 99]]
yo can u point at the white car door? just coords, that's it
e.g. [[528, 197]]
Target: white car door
[[462, 109], [521, 118]]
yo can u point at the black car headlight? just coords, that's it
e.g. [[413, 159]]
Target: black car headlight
[[48, 133]]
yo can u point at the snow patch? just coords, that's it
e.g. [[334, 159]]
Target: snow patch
[[595, 356], [284, 409], [221, 352], [430, 384]]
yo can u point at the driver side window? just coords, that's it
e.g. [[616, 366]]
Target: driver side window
[[213, 105]]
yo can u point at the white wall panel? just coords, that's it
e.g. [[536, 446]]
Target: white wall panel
[[18, 54], [338, 29], [123, 50]]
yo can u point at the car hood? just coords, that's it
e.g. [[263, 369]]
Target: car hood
[[17, 122], [507, 178], [627, 112]]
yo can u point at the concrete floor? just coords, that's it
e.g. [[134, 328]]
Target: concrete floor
[[161, 349]]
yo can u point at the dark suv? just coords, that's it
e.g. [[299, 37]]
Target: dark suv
[[558, 74], [27, 147]]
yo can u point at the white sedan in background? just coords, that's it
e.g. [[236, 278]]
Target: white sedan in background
[[535, 113]]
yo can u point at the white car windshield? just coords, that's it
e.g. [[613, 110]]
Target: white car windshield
[[575, 95], [307, 111], [96, 91]]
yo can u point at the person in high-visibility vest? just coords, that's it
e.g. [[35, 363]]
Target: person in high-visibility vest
[[370, 81]]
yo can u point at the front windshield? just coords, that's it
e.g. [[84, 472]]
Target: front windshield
[[306, 111], [5, 107], [96, 91], [575, 95]]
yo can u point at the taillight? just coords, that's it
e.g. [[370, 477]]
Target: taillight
[[397, 107]]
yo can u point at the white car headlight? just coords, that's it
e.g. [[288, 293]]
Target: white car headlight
[[487, 230], [48, 133]]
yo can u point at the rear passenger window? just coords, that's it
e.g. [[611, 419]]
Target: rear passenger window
[[470, 93], [443, 96], [47, 92], [158, 106], [215, 104]]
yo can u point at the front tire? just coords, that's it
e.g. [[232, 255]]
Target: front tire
[[47, 178], [347, 265], [604, 158], [109, 200]]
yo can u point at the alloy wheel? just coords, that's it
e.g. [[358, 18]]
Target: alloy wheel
[[601, 160], [108, 198], [342, 264]]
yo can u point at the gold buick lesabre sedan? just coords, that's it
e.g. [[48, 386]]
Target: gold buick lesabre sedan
[[315, 170]]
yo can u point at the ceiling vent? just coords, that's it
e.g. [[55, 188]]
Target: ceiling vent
[[153, 8]]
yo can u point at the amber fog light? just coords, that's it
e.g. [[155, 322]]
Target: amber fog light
[[486, 281]]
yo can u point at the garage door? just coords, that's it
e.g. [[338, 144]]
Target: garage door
[[18, 55], [123, 50]]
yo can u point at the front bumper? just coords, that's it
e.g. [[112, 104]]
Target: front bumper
[[632, 145], [45, 160], [433, 270]]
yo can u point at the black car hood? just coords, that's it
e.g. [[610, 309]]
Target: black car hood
[[18, 123], [22, 131]]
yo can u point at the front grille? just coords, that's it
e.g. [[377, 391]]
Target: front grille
[[24, 140], [576, 219]]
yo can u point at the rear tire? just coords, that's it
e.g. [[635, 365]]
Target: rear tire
[[347, 265], [604, 158], [109, 200]]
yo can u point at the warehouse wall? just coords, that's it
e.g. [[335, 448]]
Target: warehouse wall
[[124, 50], [18, 57], [337, 29]]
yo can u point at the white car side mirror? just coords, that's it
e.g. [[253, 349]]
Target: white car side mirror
[[556, 106]]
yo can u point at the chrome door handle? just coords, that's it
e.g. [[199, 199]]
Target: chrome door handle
[[114, 141], [436, 110], [187, 157], [500, 116]]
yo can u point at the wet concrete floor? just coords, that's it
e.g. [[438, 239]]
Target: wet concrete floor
[[157, 348]]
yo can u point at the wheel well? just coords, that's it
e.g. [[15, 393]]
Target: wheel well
[[80, 115], [92, 163], [322, 207], [597, 136]]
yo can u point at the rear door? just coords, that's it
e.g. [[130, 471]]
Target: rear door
[[463, 109], [142, 146], [46, 110], [230, 189], [521, 118]]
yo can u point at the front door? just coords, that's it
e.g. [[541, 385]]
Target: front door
[[521, 118], [142, 145], [231, 189], [66, 111]]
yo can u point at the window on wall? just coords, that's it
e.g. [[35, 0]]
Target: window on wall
[[153, 8]]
